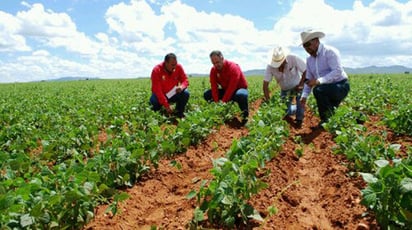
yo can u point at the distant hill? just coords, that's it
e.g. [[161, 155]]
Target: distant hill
[[254, 72], [363, 70], [74, 79], [260, 72], [379, 70]]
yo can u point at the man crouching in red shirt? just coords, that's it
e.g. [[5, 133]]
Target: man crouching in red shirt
[[227, 83], [169, 85]]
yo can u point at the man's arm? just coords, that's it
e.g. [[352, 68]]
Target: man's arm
[[302, 81], [234, 75], [183, 81], [266, 92], [157, 89], [332, 62]]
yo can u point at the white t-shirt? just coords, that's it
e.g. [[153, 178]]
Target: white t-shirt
[[292, 73]]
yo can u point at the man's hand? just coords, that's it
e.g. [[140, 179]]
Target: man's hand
[[312, 82], [179, 89], [299, 87], [169, 110], [303, 101]]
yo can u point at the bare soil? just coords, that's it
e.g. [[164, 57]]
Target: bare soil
[[311, 191]]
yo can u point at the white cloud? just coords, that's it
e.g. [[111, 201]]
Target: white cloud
[[364, 34], [10, 39], [135, 21], [38, 22], [139, 34], [54, 30], [199, 33]]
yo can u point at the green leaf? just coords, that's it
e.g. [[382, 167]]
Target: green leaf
[[191, 194], [54, 199], [176, 164], [37, 210], [368, 197], [406, 184], [256, 215], [369, 178], [228, 200], [406, 202], [45, 218], [381, 163], [396, 147], [272, 210], [229, 221], [26, 220], [199, 215], [121, 196], [220, 161], [88, 187]]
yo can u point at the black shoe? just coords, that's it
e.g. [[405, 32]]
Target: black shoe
[[288, 119], [298, 123], [243, 122]]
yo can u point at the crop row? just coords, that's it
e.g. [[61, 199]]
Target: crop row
[[389, 193], [225, 198], [387, 172], [66, 147]]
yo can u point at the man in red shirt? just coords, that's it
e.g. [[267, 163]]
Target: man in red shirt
[[227, 83], [169, 85]]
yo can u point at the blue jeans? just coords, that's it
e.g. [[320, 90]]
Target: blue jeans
[[180, 99], [240, 96], [329, 96], [288, 96]]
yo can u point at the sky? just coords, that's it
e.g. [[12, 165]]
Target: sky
[[49, 39]]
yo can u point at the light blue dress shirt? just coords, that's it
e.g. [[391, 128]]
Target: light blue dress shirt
[[326, 67]]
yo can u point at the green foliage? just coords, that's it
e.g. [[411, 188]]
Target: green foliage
[[362, 149], [56, 167], [400, 120], [345, 118], [225, 199], [66, 147], [389, 193]]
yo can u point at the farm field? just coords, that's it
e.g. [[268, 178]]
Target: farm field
[[91, 155]]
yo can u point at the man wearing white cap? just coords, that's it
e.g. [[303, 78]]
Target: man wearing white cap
[[325, 75], [289, 72]]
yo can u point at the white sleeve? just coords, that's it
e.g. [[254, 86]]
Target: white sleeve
[[268, 74]]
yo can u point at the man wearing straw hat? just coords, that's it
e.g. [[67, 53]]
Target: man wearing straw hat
[[325, 75], [289, 72]]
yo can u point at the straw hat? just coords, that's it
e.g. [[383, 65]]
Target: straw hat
[[308, 35], [278, 56]]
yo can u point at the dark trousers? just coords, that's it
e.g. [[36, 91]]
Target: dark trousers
[[329, 96], [240, 97], [180, 99]]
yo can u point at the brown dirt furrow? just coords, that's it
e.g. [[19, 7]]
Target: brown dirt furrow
[[313, 191], [160, 198]]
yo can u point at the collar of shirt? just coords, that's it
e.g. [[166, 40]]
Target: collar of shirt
[[320, 49]]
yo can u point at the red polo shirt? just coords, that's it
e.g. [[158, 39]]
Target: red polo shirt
[[230, 78], [163, 82]]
